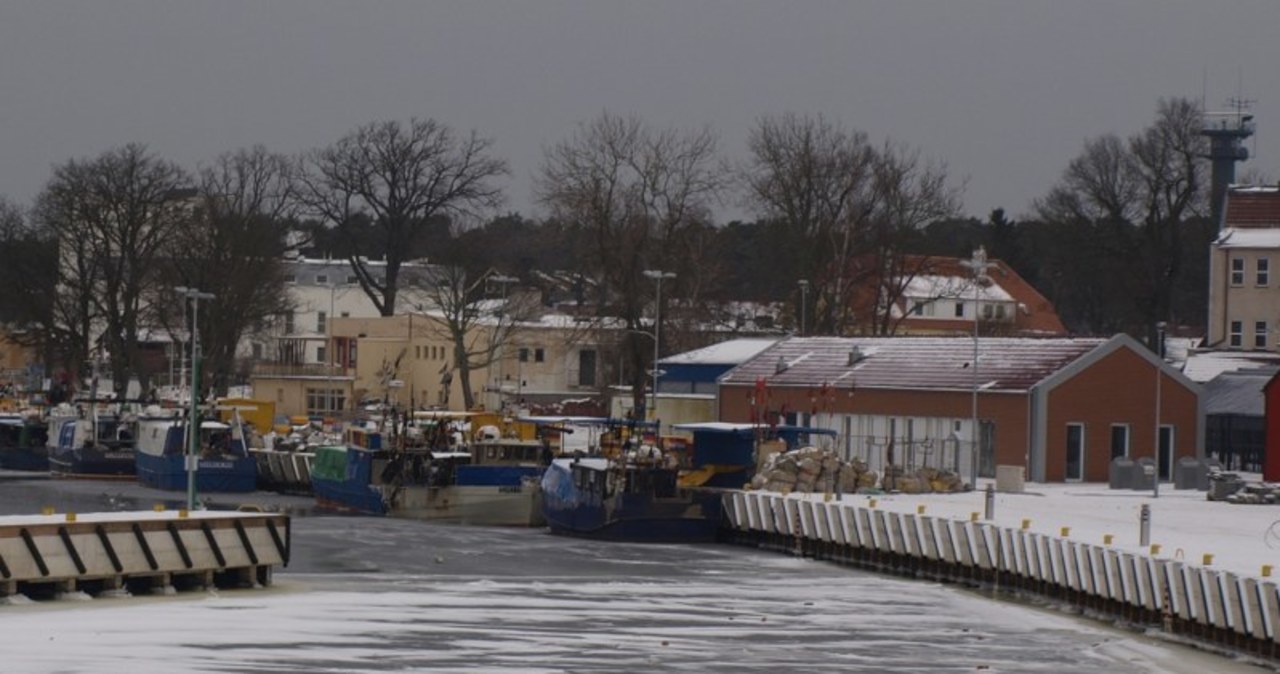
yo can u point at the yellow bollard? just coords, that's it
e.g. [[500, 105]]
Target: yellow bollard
[[919, 510], [826, 497], [159, 507], [872, 503], [1155, 549], [71, 517], [47, 510], [1065, 532], [182, 513], [973, 517], [1026, 524], [1266, 570], [1107, 538], [1208, 559]]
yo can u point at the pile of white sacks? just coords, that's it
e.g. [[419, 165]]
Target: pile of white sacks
[[817, 470]]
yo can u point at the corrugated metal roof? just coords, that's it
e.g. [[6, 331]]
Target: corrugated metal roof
[[730, 352], [1238, 392], [1205, 365], [936, 363]]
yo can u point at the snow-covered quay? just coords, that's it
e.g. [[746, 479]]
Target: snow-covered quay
[[1205, 573]]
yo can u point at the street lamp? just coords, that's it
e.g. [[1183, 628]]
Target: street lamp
[[504, 281], [978, 265], [804, 304], [1155, 485], [657, 275], [193, 431]]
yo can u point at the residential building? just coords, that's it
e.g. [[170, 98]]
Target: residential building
[[934, 295], [1244, 289], [1061, 408]]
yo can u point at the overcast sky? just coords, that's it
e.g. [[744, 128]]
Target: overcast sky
[[1005, 92]]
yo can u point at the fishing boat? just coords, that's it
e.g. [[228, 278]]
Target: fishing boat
[[431, 467], [24, 443], [223, 463], [95, 443], [656, 490]]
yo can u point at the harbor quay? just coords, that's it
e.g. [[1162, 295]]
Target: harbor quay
[[160, 550]]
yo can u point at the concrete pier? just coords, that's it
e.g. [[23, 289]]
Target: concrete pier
[[149, 551], [1194, 602]]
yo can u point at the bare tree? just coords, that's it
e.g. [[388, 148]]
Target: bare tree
[[814, 176], [30, 276], [1143, 191], [234, 248], [113, 217], [477, 325], [638, 199], [398, 177], [907, 194]]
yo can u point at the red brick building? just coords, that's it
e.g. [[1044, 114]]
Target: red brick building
[[1062, 408]]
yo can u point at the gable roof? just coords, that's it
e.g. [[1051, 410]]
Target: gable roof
[[917, 363], [1252, 207]]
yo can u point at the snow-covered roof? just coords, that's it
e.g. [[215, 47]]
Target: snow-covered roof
[[1204, 366], [928, 363], [731, 352], [929, 286], [1249, 237]]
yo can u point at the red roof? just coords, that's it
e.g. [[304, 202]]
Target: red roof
[[1252, 207], [919, 363]]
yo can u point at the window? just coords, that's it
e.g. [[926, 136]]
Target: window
[[1260, 335], [959, 309], [1237, 334], [322, 320], [917, 309], [290, 278], [539, 355], [1119, 440], [1075, 452], [288, 323], [1264, 271], [352, 280], [1000, 311], [524, 355], [257, 350], [345, 314], [1237, 271], [587, 367], [321, 401], [988, 310], [321, 352], [322, 279]]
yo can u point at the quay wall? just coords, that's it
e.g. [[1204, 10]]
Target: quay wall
[[1193, 602], [160, 551]]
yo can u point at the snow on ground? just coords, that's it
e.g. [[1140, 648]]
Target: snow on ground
[[1241, 538]]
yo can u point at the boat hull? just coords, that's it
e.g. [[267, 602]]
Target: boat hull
[[25, 458], [693, 518], [168, 472], [93, 463]]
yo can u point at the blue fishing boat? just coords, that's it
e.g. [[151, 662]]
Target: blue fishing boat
[[647, 491], [24, 443], [430, 468], [223, 463], [97, 444]]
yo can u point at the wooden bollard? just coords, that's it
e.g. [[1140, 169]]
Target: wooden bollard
[[1266, 570], [182, 513], [973, 517], [1065, 532], [1207, 559], [1107, 538], [919, 510], [159, 507], [47, 510], [1155, 549], [871, 504], [71, 517], [1026, 524]]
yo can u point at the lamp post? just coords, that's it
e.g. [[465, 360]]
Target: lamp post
[[657, 275], [193, 431], [978, 265], [504, 281], [804, 304], [1155, 484]]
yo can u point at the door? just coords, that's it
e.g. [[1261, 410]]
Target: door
[[1075, 452], [1165, 462], [986, 449]]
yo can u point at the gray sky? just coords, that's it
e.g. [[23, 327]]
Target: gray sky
[[1005, 92]]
